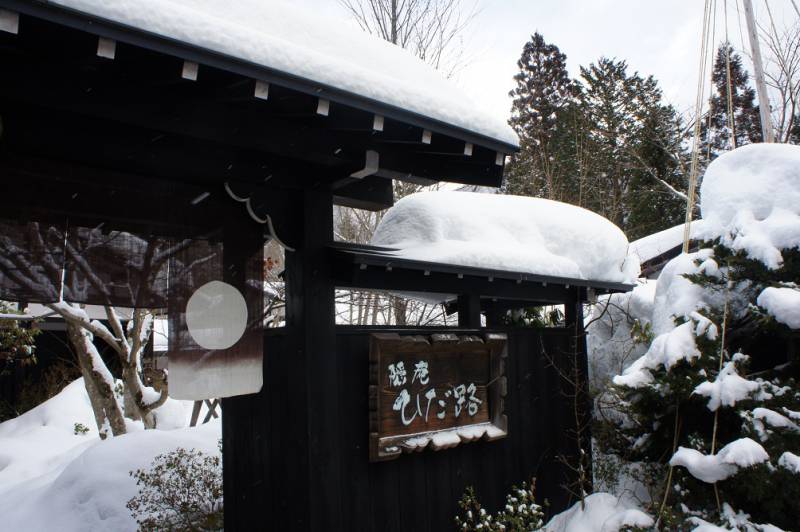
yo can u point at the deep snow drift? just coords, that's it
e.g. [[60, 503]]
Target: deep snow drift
[[514, 233], [53, 479]]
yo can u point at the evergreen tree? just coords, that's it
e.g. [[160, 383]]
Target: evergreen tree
[[716, 132], [713, 404], [633, 141], [542, 111], [702, 404]]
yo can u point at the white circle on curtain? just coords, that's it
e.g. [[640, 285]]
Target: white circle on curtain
[[216, 315]]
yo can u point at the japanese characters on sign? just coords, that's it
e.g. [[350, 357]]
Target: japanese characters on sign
[[442, 384], [461, 397]]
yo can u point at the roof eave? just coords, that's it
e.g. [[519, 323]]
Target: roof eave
[[123, 33]]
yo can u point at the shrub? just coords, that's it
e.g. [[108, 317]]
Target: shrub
[[182, 491], [521, 513]]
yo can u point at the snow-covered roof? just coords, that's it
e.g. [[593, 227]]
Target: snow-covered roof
[[512, 233], [651, 246], [333, 55]]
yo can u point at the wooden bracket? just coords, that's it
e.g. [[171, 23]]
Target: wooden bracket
[[9, 21], [106, 48]]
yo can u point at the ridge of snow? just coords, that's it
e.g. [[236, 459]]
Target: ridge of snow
[[503, 232], [301, 42], [711, 468], [750, 198], [783, 303]]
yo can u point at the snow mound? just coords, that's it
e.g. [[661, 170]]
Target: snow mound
[[602, 512], [711, 468], [513, 233], [301, 42], [783, 303], [80, 481], [750, 198]]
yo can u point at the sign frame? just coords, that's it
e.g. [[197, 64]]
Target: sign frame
[[384, 445]]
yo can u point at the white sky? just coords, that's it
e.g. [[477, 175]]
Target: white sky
[[658, 37]]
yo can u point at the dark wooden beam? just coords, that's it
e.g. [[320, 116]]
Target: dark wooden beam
[[310, 312], [469, 311], [373, 278], [369, 193], [143, 89], [34, 12]]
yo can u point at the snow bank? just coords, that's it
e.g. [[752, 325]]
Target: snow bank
[[750, 197], [54, 479], [711, 468], [299, 41], [513, 233], [602, 512], [36, 443], [783, 303]]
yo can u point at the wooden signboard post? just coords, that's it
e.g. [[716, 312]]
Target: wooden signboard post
[[435, 391]]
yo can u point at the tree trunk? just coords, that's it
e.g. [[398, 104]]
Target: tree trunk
[[98, 383]]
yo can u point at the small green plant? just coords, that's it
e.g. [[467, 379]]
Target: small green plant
[[182, 491], [16, 341], [520, 514], [80, 429]]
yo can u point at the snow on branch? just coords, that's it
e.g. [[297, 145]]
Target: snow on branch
[[711, 468]]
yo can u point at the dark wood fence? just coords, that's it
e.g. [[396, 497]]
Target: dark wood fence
[[416, 492]]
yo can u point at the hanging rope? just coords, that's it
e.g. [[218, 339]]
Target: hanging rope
[[711, 58], [698, 108], [731, 122], [728, 285]]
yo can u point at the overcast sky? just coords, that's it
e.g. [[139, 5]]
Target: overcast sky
[[658, 37]]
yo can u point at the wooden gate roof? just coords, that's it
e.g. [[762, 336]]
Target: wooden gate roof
[[90, 89]]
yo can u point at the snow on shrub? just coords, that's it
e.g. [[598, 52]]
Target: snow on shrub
[[713, 402]]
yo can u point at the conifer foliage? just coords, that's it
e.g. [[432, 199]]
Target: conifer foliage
[[746, 122], [714, 403], [607, 141], [543, 115]]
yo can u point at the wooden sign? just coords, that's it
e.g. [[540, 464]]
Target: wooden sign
[[435, 391]]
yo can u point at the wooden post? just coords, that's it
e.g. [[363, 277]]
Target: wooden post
[[310, 315], [469, 311], [758, 72], [281, 446], [581, 408]]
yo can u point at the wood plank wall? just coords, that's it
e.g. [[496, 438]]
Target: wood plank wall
[[271, 478]]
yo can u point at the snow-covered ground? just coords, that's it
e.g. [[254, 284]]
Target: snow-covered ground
[[54, 479]]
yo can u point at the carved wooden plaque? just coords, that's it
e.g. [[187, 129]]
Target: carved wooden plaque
[[435, 391]]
